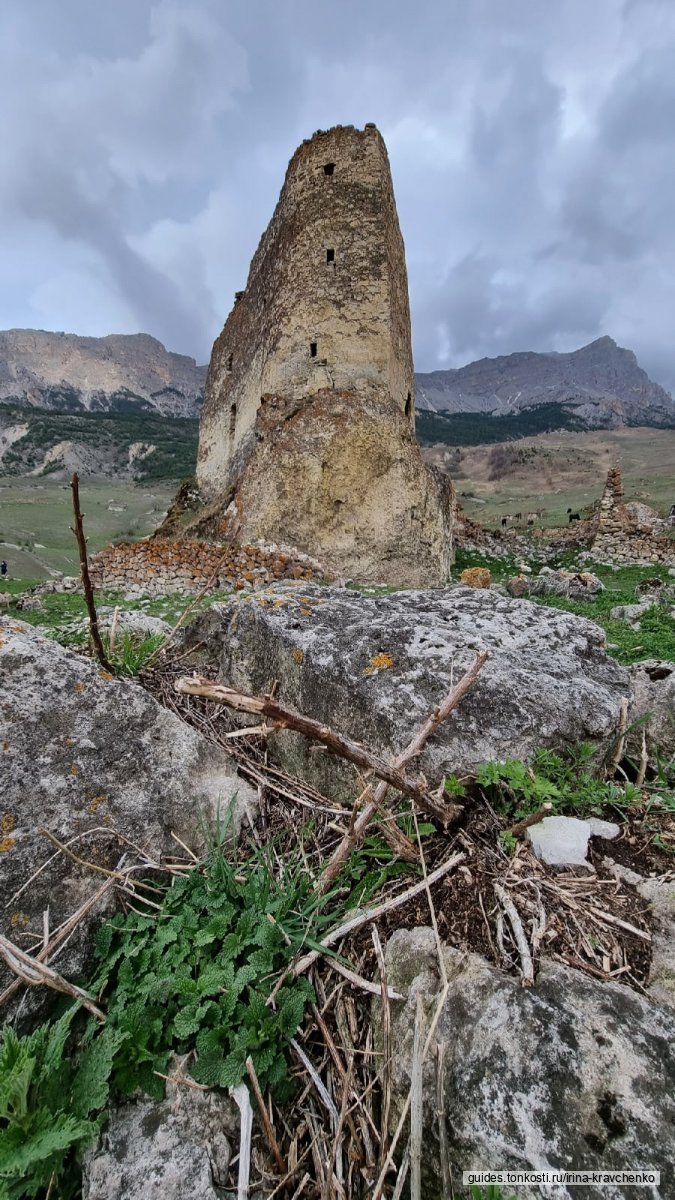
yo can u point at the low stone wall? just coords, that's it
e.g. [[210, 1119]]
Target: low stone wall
[[633, 549], [160, 568]]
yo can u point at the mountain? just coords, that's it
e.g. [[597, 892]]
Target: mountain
[[599, 386], [118, 373]]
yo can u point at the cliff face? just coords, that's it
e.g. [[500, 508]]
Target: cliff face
[[308, 424], [602, 383], [122, 372]]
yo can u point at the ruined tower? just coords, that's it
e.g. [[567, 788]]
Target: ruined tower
[[308, 426]]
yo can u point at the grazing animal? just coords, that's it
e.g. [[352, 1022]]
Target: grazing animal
[[505, 521], [531, 518], [517, 517], [574, 517]]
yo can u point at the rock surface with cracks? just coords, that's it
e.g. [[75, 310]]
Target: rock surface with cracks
[[375, 667], [99, 764]]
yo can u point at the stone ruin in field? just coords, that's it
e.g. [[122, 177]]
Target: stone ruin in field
[[627, 534], [307, 435]]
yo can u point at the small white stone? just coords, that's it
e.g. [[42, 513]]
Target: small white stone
[[561, 842]]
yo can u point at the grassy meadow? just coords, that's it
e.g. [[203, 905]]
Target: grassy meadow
[[36, 515]]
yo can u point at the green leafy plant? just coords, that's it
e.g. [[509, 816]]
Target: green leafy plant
[[197, 976], [570, 782], [508, 842], [49, 1102]]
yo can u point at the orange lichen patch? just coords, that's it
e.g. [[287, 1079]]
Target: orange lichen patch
[[19, 918], [5, 746], [96, 802], [105, 675], [6, 844], [79, 686], [73, 770], [298, 655], [306, 612], [379, 662], [7, 823], [68, 741], [476, 577]]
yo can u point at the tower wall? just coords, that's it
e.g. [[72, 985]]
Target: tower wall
[[325, 305]]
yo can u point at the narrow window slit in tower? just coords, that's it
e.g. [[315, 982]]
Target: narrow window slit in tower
[[312, 349], [233, 420], [330, 256], [328, 168], [408, 405], [230, 360]]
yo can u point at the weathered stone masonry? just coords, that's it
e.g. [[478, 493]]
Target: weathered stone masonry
[[307, 435]]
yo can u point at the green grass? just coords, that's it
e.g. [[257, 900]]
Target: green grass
[[654, 639], [36, 515]]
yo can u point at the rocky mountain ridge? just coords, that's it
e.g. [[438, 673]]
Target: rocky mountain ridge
[[602, 384], [117, 373]]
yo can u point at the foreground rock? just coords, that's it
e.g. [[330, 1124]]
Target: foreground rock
[[376, 667], [177, 1149], [98, 764], [568, 1074], [653, 706]]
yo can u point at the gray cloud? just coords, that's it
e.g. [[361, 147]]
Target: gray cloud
[[143, 145]]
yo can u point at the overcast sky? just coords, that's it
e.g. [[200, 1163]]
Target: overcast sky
[[143, 144]]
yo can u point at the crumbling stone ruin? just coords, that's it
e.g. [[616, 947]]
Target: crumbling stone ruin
[[158, 567], [307, 434], [619, 536]]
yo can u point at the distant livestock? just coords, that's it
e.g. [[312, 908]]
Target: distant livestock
[[572, 516]]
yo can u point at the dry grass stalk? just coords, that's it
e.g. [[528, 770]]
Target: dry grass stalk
[[264, 1117], [60, 936], [36, 974], [417, 1104], [373, 914], [386, 1047], [243, 1101], [444, 1153], [526, 964]]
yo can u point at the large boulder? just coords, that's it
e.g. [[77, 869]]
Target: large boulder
[[571, 1073], [97, 763], [375, 667]]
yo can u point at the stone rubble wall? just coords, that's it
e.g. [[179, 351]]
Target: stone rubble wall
[[161, 568], [620, 538]]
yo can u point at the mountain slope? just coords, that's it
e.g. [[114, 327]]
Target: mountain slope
[[601, 385], [118, 373]]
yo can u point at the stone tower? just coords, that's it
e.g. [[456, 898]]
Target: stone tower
[[308, 425]]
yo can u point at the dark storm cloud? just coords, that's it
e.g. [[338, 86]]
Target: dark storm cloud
[[143, 145]]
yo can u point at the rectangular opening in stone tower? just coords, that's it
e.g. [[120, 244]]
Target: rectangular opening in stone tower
[[312, 349], [330, 256], [230, 360], [233, 420], [328, 168]]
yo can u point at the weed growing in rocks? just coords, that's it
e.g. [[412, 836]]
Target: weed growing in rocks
[[571, 784]]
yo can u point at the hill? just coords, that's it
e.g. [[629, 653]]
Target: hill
[[118, 373], [133, 446], [600, 386]]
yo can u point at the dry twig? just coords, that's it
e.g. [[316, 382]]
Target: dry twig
[[280, 717], [86, 579], [37, 974]]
